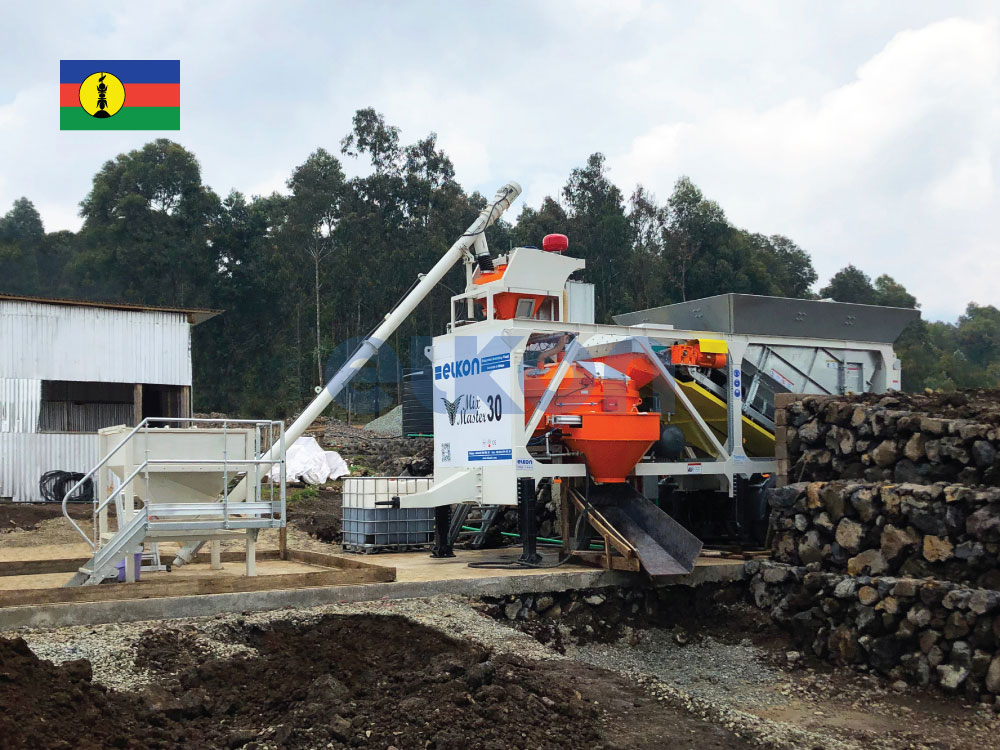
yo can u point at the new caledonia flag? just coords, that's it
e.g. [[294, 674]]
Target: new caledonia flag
[[119, 95]]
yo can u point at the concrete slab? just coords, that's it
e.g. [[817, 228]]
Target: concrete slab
[[192, 571]]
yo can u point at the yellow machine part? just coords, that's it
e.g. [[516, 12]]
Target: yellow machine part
[[713, 346], [757, 441]]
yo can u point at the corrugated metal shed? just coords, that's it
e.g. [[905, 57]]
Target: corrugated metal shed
[[93, 342], [20, 400], [60, 342], [24, 457]]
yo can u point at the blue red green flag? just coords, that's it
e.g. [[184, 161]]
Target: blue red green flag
[[119, 95]]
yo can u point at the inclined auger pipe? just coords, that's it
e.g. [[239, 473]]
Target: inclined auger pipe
[[501, 202]]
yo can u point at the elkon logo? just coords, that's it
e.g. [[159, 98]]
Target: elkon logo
[[459, 369], [464, 367]]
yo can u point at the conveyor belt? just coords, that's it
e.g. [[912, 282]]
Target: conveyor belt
[[756, 440]]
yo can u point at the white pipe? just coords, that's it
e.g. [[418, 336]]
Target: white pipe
[[501, 202]]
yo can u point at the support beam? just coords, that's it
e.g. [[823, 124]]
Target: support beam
[[251, 553], [572, 352], [185, 401], [136, 404]]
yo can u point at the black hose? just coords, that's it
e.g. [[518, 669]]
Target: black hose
[[520, 564], [54, 485]]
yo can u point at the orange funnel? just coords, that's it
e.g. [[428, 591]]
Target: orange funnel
[[612, 444]]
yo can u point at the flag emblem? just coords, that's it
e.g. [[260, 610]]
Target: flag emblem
[[119, 95], [102, 95]]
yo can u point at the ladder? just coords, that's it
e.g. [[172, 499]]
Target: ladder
[[478, 519], [104, 563]]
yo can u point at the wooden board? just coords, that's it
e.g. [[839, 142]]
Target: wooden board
[[327, 560], [188, 587], [599, 559], [72, 564]]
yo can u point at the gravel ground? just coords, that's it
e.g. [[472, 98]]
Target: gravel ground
[[730, 682], [709, 678], [707, 669]]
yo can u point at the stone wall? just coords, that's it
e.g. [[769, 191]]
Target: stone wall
[[903, 438], [918, 631], [947, 531], [606, 614]]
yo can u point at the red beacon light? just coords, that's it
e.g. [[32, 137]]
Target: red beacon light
[[555, 243]]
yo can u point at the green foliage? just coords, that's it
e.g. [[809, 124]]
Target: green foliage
[[309, 492], [147, 229], [850, 284], [22, 242], [303, 276]]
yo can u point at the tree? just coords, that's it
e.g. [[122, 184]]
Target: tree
[[532, 225], [695, 225], [21, 238], [317, 188], [978, 334], [850, 284], [890, 293], [147, 228], [790, 266], [648, 226], [599, 230]]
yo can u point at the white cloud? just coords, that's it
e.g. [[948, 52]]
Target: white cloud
[[866, 132], [849, 173], [969, 187]]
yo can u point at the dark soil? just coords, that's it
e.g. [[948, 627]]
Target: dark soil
[[343, 681], [369, 454], [368, 681], [29, 515], [45, 706], [319, 516]]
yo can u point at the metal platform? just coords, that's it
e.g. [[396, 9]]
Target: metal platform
[[779, 316]]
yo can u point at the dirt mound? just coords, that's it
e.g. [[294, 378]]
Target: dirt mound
[[318, 514], [368, 681], [368, 453], [384, 682], [26, 516], [47, 706]]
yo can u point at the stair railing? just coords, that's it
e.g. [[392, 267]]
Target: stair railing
[[273, 439]]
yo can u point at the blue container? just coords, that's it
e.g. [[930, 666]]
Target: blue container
[[121, 567]]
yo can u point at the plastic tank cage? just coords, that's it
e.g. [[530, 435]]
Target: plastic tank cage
[[369, 522]]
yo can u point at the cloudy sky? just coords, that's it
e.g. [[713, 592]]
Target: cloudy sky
[[869, 132]]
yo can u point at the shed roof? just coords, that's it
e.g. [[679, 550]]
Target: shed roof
[[195, 315]]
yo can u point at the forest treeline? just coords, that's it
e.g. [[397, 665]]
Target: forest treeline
[[302, 275]]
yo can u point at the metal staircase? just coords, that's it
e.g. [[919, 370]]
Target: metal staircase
[[105, 561], [472, 522]]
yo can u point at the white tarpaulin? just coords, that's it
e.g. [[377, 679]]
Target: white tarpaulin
[[307, 462]]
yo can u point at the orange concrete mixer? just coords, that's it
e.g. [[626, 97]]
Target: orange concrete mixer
[[611, 433]]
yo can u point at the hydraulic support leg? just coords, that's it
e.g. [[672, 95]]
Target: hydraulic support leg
[[527, 520], [442, 528]]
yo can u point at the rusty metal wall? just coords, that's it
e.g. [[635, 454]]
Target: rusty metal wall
[[60, 342], [24, 457]]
